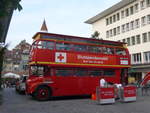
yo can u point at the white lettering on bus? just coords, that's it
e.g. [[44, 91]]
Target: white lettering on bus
[[91, 57]]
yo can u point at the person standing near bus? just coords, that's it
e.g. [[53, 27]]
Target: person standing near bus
[[102, 82]]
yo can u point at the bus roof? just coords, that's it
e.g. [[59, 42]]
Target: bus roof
[[45, 35]]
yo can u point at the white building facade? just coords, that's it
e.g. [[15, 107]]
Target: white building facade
[[128, 21]]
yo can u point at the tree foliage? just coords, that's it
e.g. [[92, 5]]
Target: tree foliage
[[95, 35], [2, 52], [6, 9], [6, 5]]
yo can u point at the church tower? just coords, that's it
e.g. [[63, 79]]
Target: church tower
[[44, 27]]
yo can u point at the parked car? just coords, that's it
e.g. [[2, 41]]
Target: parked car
[[21, 84]]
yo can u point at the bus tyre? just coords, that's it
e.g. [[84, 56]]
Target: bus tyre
[[42, 93]]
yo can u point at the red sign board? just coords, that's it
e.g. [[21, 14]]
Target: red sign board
[[90, 59], [129, 91], [107, 93]]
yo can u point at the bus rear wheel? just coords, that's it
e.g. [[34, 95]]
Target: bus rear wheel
[[43, 93]]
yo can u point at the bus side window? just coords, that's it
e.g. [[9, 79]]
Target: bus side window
[[104, 50], [63, 46], [80, 72], [95, 72], [80, 48], [39, 44], [107, 50], [64, 72], [50, 45], [109, 73], [120, 51], [110, 50]]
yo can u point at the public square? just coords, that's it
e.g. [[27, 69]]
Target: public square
[[13, 102]]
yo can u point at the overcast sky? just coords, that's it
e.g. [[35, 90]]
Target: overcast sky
[[62, 17]]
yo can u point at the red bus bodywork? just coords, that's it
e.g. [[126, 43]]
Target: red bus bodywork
[[112, 67]]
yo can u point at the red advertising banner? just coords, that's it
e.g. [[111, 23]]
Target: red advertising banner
[[129, 91], [106, 93]]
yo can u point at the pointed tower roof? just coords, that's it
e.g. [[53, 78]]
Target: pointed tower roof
[[44, 27]]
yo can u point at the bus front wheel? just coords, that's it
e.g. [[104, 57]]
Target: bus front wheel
[[42, 93]]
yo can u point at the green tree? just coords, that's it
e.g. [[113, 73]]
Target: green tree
[[6, 10], [95, 35], [2, 52]]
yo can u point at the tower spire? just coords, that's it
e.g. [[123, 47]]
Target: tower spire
[[44, 27]]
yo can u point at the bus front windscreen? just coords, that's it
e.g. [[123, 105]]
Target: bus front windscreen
[[37, 70]]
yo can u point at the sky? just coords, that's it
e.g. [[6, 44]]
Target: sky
[[62, 17]]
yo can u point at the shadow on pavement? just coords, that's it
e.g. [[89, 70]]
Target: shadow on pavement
[[62, 98], [1, 99], [70, 97]]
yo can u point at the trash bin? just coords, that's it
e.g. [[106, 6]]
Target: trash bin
[[105, 95]]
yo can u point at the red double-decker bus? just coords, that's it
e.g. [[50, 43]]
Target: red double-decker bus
[[62, 65]]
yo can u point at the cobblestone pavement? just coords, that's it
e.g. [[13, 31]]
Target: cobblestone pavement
[[15, 103]]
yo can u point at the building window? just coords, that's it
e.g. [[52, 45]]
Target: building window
[[114, 31], [137, 23], [148, 19], [144, 36], [114, 18], [133, 40], [118, 16], [143, 21], [128, 42], [118, 30], [136, 7], [127, 12], [147, 3], [132, 25], [127, 26], [136, 58], [138, 39], [107, 21], [124, 40], [131, 10], [142, 4], [111, 33], [123, 28], [122, 14], [149, 36], [110, 20], [107, 34], [147, 57]]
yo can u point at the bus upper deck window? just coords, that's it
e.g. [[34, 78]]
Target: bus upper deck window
[[45, 45], [120, 51], [107, 50], [63, 46], [50, 45], [79, 48], [39, 44]]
